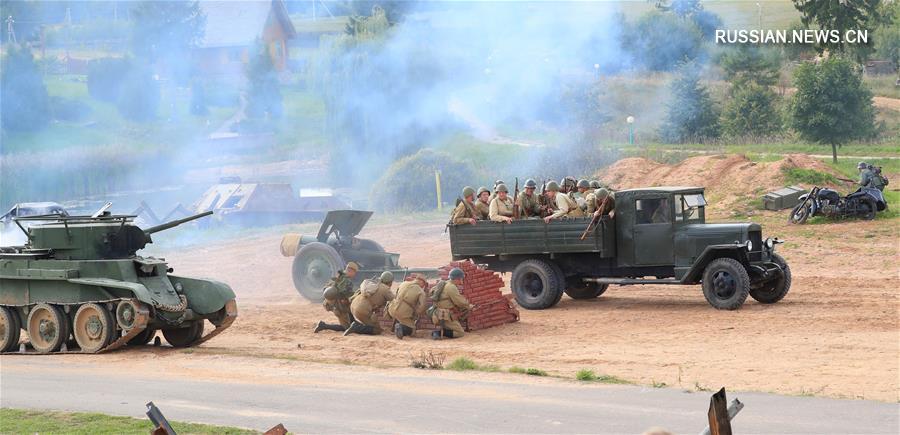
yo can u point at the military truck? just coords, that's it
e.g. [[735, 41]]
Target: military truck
[[318, 258], [80, 277], [657, 235]]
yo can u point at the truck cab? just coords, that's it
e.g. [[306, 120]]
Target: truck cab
[[656, 235]]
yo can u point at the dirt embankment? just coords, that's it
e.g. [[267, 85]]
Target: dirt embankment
[[732, 181]]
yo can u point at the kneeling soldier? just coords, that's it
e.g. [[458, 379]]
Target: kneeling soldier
[[409, 304], [372, 296], [443, 301], [337, 298]]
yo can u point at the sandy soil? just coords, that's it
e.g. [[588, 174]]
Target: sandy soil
[[836, 333]]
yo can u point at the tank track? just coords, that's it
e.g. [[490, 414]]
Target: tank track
[[142, 321]]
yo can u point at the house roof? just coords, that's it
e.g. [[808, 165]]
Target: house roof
[[239, 23]]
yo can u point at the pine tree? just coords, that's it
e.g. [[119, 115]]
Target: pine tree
[[692, 114]]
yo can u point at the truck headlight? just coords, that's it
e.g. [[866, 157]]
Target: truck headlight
[[770, 243], [749, 245]]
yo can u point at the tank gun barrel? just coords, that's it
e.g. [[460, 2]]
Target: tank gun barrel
[[176, 223]]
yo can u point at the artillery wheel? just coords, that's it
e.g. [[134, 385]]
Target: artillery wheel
[[142, 337], [775, 290], [314, 264], [184, 337], [10, 329], [92, 327], [726, 284], [585, 290], [48, 328], [536, 284]]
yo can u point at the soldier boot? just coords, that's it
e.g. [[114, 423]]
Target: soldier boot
[[359, 328], [322, 326]]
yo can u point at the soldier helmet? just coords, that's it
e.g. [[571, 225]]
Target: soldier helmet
[[530, 184], [387, 277], [861, 165], [552, 186], [468, 191], [497, 183], [330, 293], [584, 184], [456, 273], [601, 193], [595, 184], [502, 188], [483, 189], [354, 266]]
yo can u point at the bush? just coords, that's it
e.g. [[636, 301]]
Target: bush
[[25, 104], [462, 364], [408, 184], [586, 375], [535, 372], [105, 77], [138, 95], [691, 116], [751, 111], [68, 109], [658, 42]]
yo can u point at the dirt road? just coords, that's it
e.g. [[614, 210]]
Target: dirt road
[[835, 335], [314, 398]]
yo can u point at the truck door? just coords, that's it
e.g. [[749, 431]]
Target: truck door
[[653, 232]]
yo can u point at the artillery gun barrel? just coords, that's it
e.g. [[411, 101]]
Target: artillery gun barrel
[[176, 223]]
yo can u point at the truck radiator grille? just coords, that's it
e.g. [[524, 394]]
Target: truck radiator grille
[[756, 238]]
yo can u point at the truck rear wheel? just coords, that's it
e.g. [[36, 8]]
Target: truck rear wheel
[[536, 284], [578, 289], [726, 284], [775, 290]]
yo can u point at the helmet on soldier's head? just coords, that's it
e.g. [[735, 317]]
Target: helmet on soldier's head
[[482, 189], [602, 193], [584, 184], [861, 165], [330, 293], [456, 273], [468, 191], [595, 184], [552, 186], [502, 188], [497, 183], [387, 277], [530, 184], [354, 266]]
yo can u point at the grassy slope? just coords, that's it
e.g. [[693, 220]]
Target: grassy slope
[[17, 421]]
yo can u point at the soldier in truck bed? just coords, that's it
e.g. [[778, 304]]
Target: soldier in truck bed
[[598, 197], [501, 209], [565, 205], [465, 213], [483, 204], [529, 203]]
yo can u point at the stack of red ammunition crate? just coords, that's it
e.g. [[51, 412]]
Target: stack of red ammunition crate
[[482, 288]]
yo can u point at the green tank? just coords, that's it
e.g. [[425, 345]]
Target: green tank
[[78, 285]]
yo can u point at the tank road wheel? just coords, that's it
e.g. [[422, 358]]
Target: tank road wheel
[[775, 290], [578, 289], [315, 264], [48, 328], [184, 337], [93, 327], [536, 284], [726, 284], [10, 329]]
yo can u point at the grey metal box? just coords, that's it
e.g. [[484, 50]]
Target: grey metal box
[[781, 199]]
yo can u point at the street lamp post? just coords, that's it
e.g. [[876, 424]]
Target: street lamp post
[[630, 121]]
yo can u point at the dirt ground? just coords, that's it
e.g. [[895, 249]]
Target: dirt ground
[[835, 334]]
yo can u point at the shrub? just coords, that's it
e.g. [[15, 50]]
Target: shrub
[[105, 77], [691, 116], [535, 372], [462, 364], [68, 109], [517, 370], [586, 375], [25, 105], [408, 184], [138, 95], [751, 110]]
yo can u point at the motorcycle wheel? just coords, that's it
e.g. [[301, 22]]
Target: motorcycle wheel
[[799, 214], [866, 209]]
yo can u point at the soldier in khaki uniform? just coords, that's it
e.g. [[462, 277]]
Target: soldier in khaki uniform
[[465, 213], [337, 298], [366, 301], [599, 196], [483, 204], [501, 209], [448, 299], [529, 203], [565, 205], [583, 194], [494, 193], [408, 305]]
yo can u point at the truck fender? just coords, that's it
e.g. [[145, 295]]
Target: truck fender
[[736, 251], [205, 296]]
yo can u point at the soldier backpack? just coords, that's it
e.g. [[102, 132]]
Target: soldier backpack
[[369, 287], [436, 296]]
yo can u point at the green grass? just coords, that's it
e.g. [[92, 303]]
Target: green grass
[[885, 149], [808, 176], [609, 379], [18, 421], [586, 375], [462, 364], [535, 372], [883, 86]]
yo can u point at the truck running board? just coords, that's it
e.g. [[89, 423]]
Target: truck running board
[[633, 281]]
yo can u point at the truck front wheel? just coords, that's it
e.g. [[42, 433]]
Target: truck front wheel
[[726, 284], [775, 290], [536, 284]]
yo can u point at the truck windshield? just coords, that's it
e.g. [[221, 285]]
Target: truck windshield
[[689, 207]]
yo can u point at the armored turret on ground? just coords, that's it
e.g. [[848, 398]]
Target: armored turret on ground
[[81, 277]]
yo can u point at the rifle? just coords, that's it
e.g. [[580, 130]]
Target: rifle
[[597, 216], [846, 179], [516, 201]]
